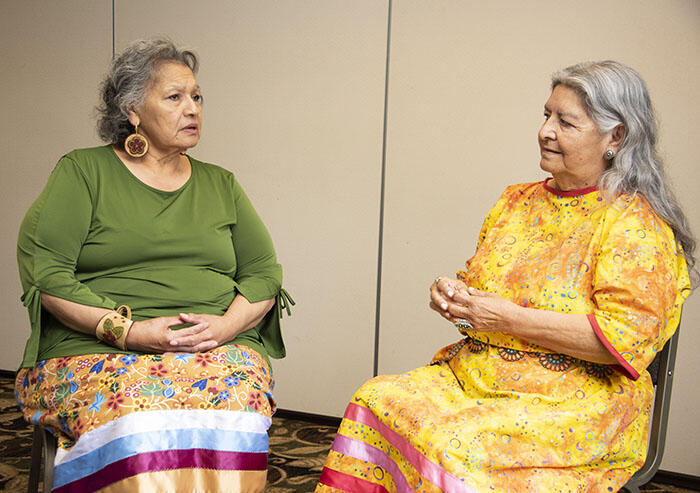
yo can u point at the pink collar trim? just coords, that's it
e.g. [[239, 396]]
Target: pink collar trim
[[568, 193]]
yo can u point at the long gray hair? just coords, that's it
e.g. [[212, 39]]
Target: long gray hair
[[612, 94], [125, 85]]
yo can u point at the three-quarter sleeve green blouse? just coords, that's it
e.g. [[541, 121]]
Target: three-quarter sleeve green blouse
[[99, 236]]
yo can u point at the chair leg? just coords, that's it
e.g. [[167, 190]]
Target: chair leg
[[35, 466], [49, 457]]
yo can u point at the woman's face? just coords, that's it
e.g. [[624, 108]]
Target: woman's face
[[171, 114], [572, 148]]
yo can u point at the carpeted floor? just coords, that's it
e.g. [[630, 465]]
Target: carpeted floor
[[297, 451]]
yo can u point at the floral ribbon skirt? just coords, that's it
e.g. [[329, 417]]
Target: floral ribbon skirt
[[167, 422]]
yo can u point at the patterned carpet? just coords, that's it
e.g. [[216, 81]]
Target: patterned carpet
[[297, 451]]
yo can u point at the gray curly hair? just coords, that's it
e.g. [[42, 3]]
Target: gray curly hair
[[613, 93], [125, 85]]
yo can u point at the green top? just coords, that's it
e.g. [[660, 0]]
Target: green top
[[99, 236]]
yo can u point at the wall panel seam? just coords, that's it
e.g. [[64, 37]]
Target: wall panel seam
[[114, 34], [380, 242]]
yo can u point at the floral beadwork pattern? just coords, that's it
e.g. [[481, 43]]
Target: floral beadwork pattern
[[555, 361], [80, 393], [510, 354], [475, 346], [550, 361], [598, 370], [137, 146], [448, 352]]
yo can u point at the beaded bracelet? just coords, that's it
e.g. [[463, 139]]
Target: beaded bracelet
[[114, 327]]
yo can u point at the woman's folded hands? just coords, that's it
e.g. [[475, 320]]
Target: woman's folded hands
[[157, 335], [467, 306]]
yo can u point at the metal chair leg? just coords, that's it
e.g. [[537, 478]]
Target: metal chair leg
[[49, 458], [35, 465], [42, 441], [629, 488]]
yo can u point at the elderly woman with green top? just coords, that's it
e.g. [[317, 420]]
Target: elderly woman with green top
[[150, 282]]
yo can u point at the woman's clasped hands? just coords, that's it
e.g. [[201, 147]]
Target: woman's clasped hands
[[469, 308], [156, 334]]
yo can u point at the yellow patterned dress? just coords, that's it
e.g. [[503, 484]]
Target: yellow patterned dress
[[495, 413]]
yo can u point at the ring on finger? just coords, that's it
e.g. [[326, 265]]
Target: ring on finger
[[438, 279], [463, 326]]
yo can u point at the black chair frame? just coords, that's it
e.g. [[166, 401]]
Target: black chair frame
[[663, 380], [42, 441]]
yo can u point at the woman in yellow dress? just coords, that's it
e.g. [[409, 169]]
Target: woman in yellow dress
[[576, 283]]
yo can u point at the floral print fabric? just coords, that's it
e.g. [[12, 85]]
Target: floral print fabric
[[77, 396]]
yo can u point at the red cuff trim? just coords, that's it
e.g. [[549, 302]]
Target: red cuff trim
[[568, 193], [624, 367]]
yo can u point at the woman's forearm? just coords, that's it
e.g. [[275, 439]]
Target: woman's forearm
[[561, 332], [81, 318], [243, 315], [240, 316], [488, 312]]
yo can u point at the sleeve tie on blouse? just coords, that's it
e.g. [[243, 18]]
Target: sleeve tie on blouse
[[284, 302], [32, 300]]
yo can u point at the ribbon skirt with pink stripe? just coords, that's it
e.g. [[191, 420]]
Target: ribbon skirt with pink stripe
[[363, 451], [121, 416]]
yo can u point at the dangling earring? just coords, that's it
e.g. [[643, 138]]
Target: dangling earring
[[609, 154], [136, 144]]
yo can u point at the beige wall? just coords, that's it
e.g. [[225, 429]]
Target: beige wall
[[295, 95], [53, 56]]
